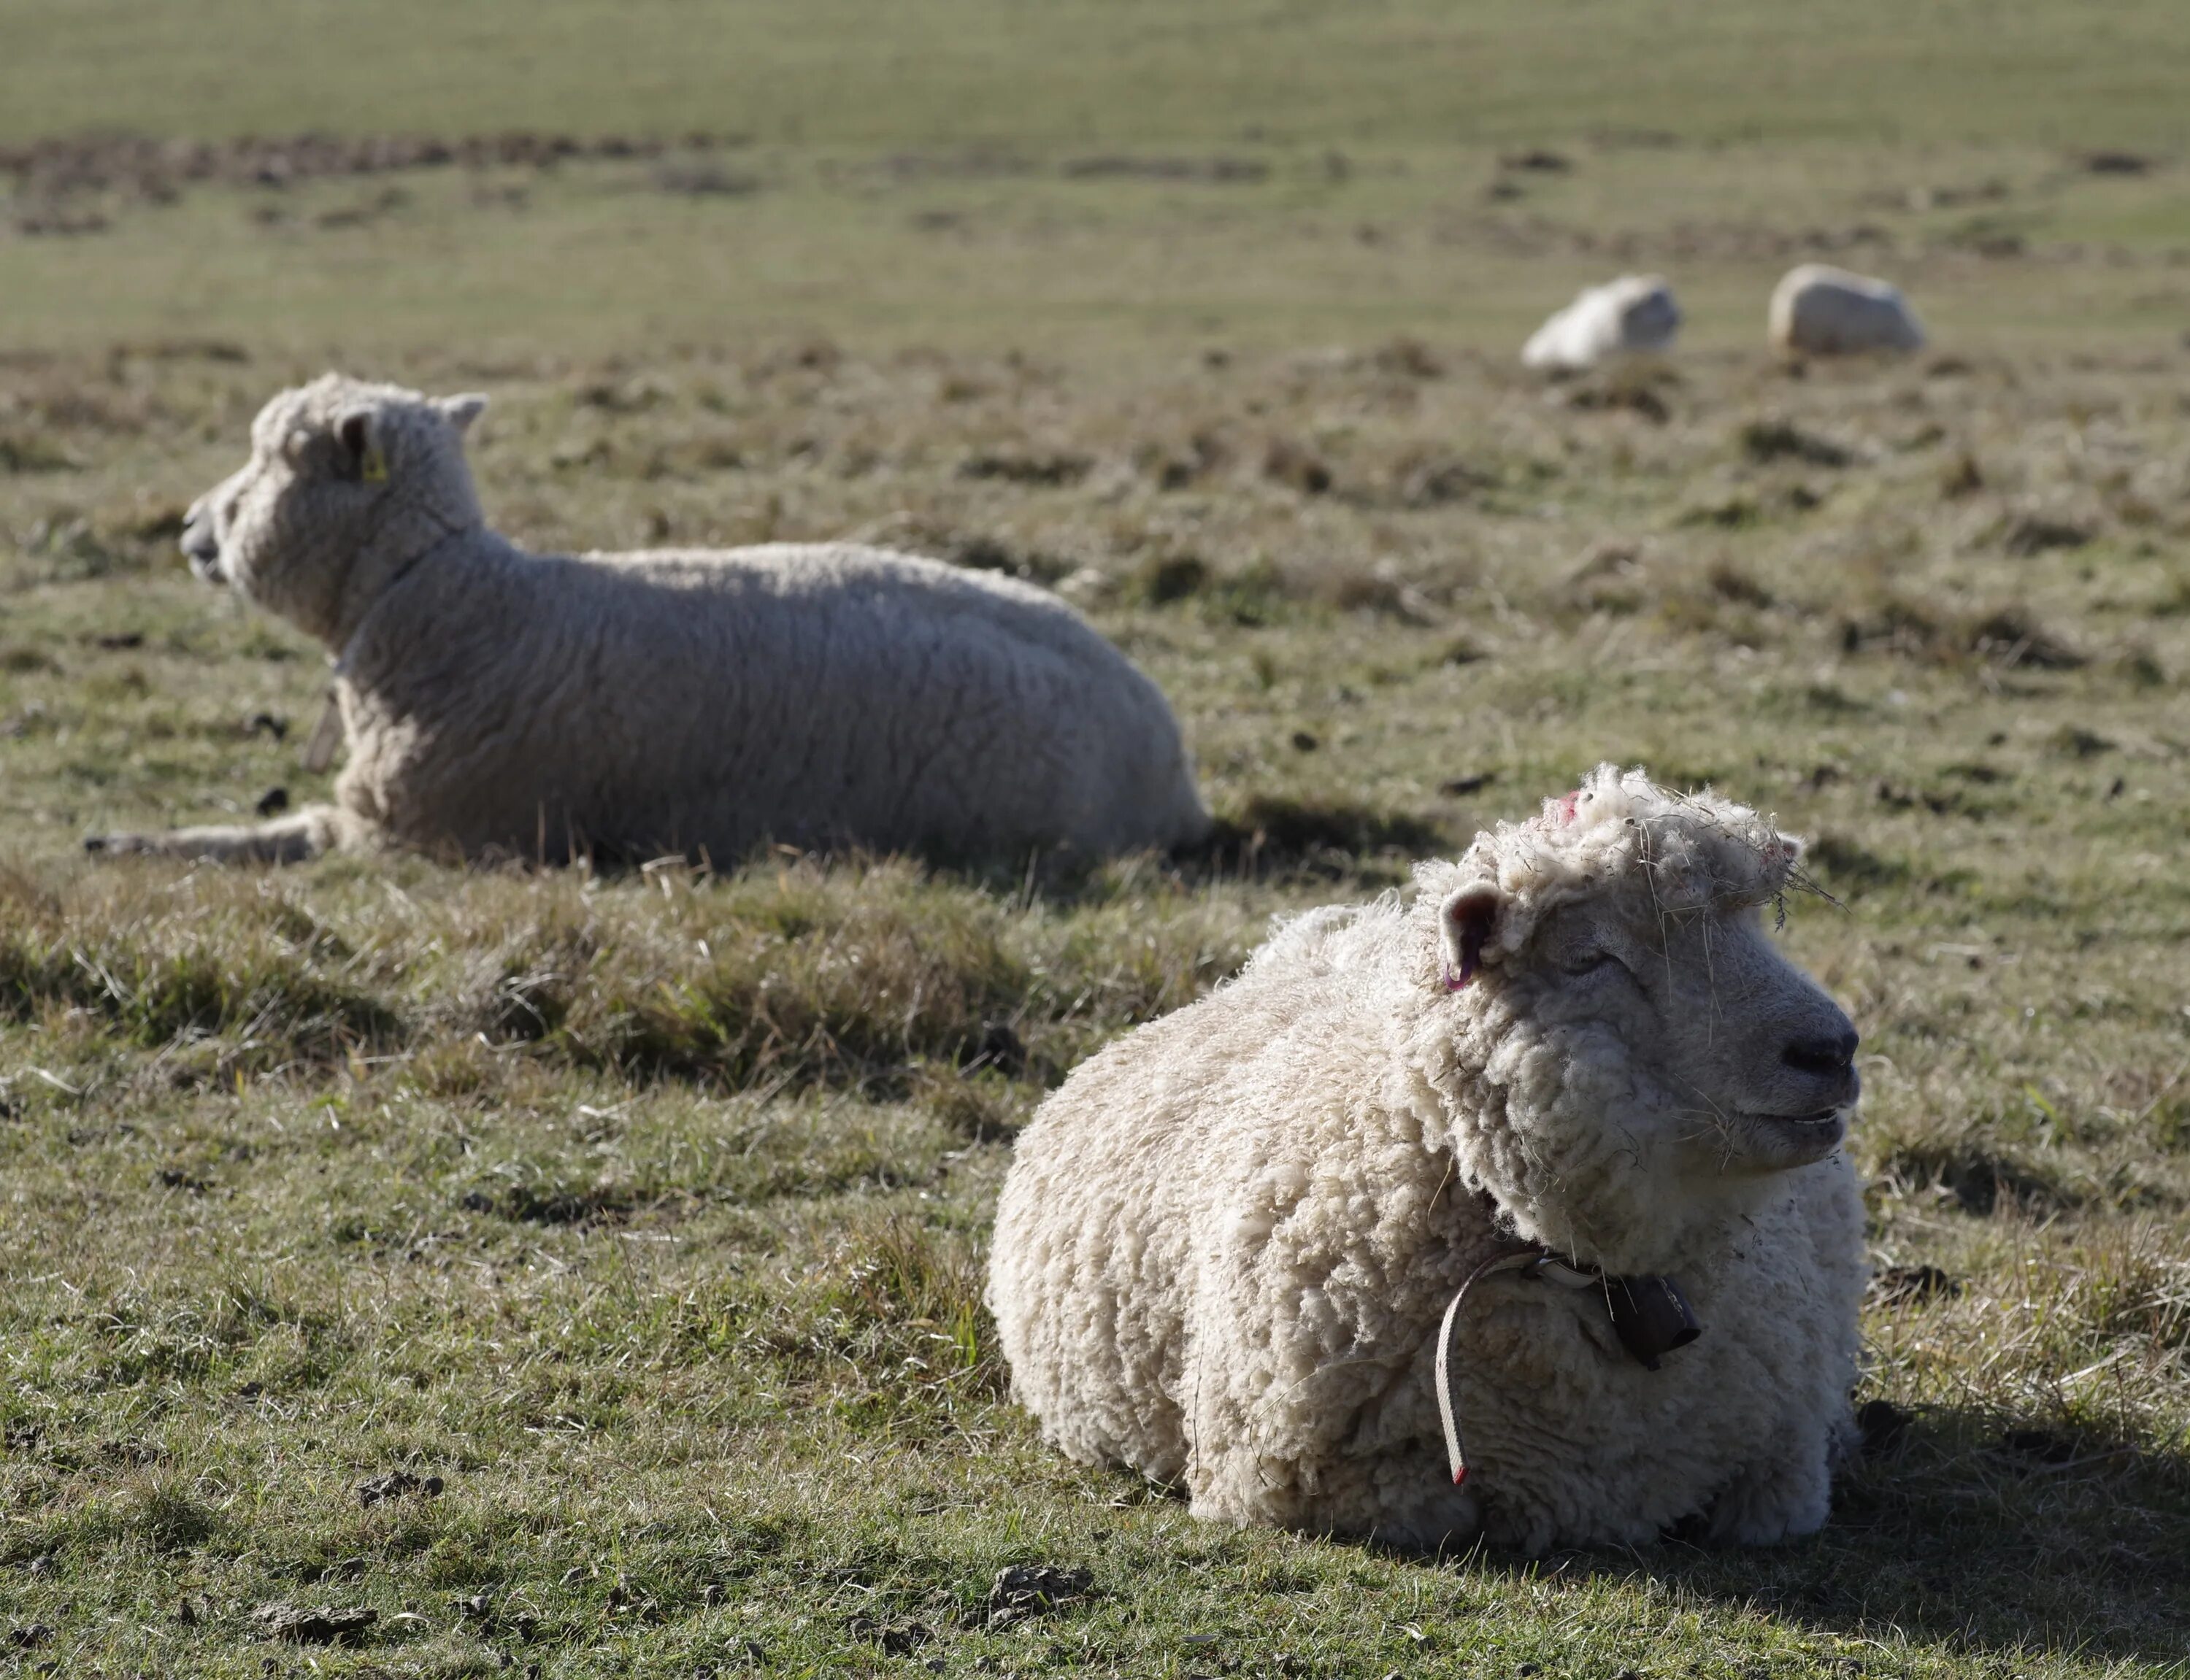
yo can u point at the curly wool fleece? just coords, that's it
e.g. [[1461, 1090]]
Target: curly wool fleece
[[497, 701], [1226, 1243]]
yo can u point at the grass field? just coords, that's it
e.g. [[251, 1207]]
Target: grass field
[[646, 1211]]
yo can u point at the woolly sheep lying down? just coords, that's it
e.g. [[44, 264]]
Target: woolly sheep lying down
[[500, 701], [1228, 1244], [1632, 314], [1819, 310]]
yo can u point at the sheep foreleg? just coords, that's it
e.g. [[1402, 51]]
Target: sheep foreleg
[[294, 838]]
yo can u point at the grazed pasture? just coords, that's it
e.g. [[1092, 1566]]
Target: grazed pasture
[[645, 1211]]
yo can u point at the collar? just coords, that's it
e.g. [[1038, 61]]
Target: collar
[[1649, 1315], [342, 662]]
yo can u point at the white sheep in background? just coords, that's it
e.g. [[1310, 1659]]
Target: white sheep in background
[[1635, 313], [498, 702], [1227, 1245], [1819, 310]]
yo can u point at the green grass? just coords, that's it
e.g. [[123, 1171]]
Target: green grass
[[888, 250], [852, 73], [647, 1211]]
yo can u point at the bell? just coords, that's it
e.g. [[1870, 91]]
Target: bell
[[1651, 1316]]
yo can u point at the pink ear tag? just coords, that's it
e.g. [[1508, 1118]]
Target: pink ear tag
[[1473, 927]]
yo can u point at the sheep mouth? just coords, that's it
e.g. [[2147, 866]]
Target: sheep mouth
[[1819, 1128]]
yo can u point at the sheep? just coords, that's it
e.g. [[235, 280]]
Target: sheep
[[1636, 312], [500, 703], [1227, 1244], [1819, 310]]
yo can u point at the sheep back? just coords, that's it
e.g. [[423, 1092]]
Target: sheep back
[[811, 694]]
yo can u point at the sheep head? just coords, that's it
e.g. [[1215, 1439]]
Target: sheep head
[[1617, 940], [348, 484]]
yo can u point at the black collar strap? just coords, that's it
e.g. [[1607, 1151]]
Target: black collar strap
[[1649, 1315]]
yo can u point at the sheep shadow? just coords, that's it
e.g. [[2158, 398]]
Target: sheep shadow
[[1265, 837], [2004, 1542], [1272, 836]]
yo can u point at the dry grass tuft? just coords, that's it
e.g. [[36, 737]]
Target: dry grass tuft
[[1766, 441], [255, 978]]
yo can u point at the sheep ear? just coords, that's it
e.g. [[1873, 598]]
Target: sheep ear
[[1467, 920], [461, 411], [359, 432]]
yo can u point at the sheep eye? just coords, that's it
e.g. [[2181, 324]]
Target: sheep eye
[[1585, 959]]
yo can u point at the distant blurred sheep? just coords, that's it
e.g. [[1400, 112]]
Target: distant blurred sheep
[[1636, 312], [1819, 310], [502, 703]]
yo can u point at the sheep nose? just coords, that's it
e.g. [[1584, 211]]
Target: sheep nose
[[201, 545], [198, 540], [1825, 1058]]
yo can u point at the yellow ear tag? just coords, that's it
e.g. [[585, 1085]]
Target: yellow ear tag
[[373, 469]]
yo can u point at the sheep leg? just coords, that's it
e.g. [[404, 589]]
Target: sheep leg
[[1403, 1500], [1778, 1499], [290, 840]]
